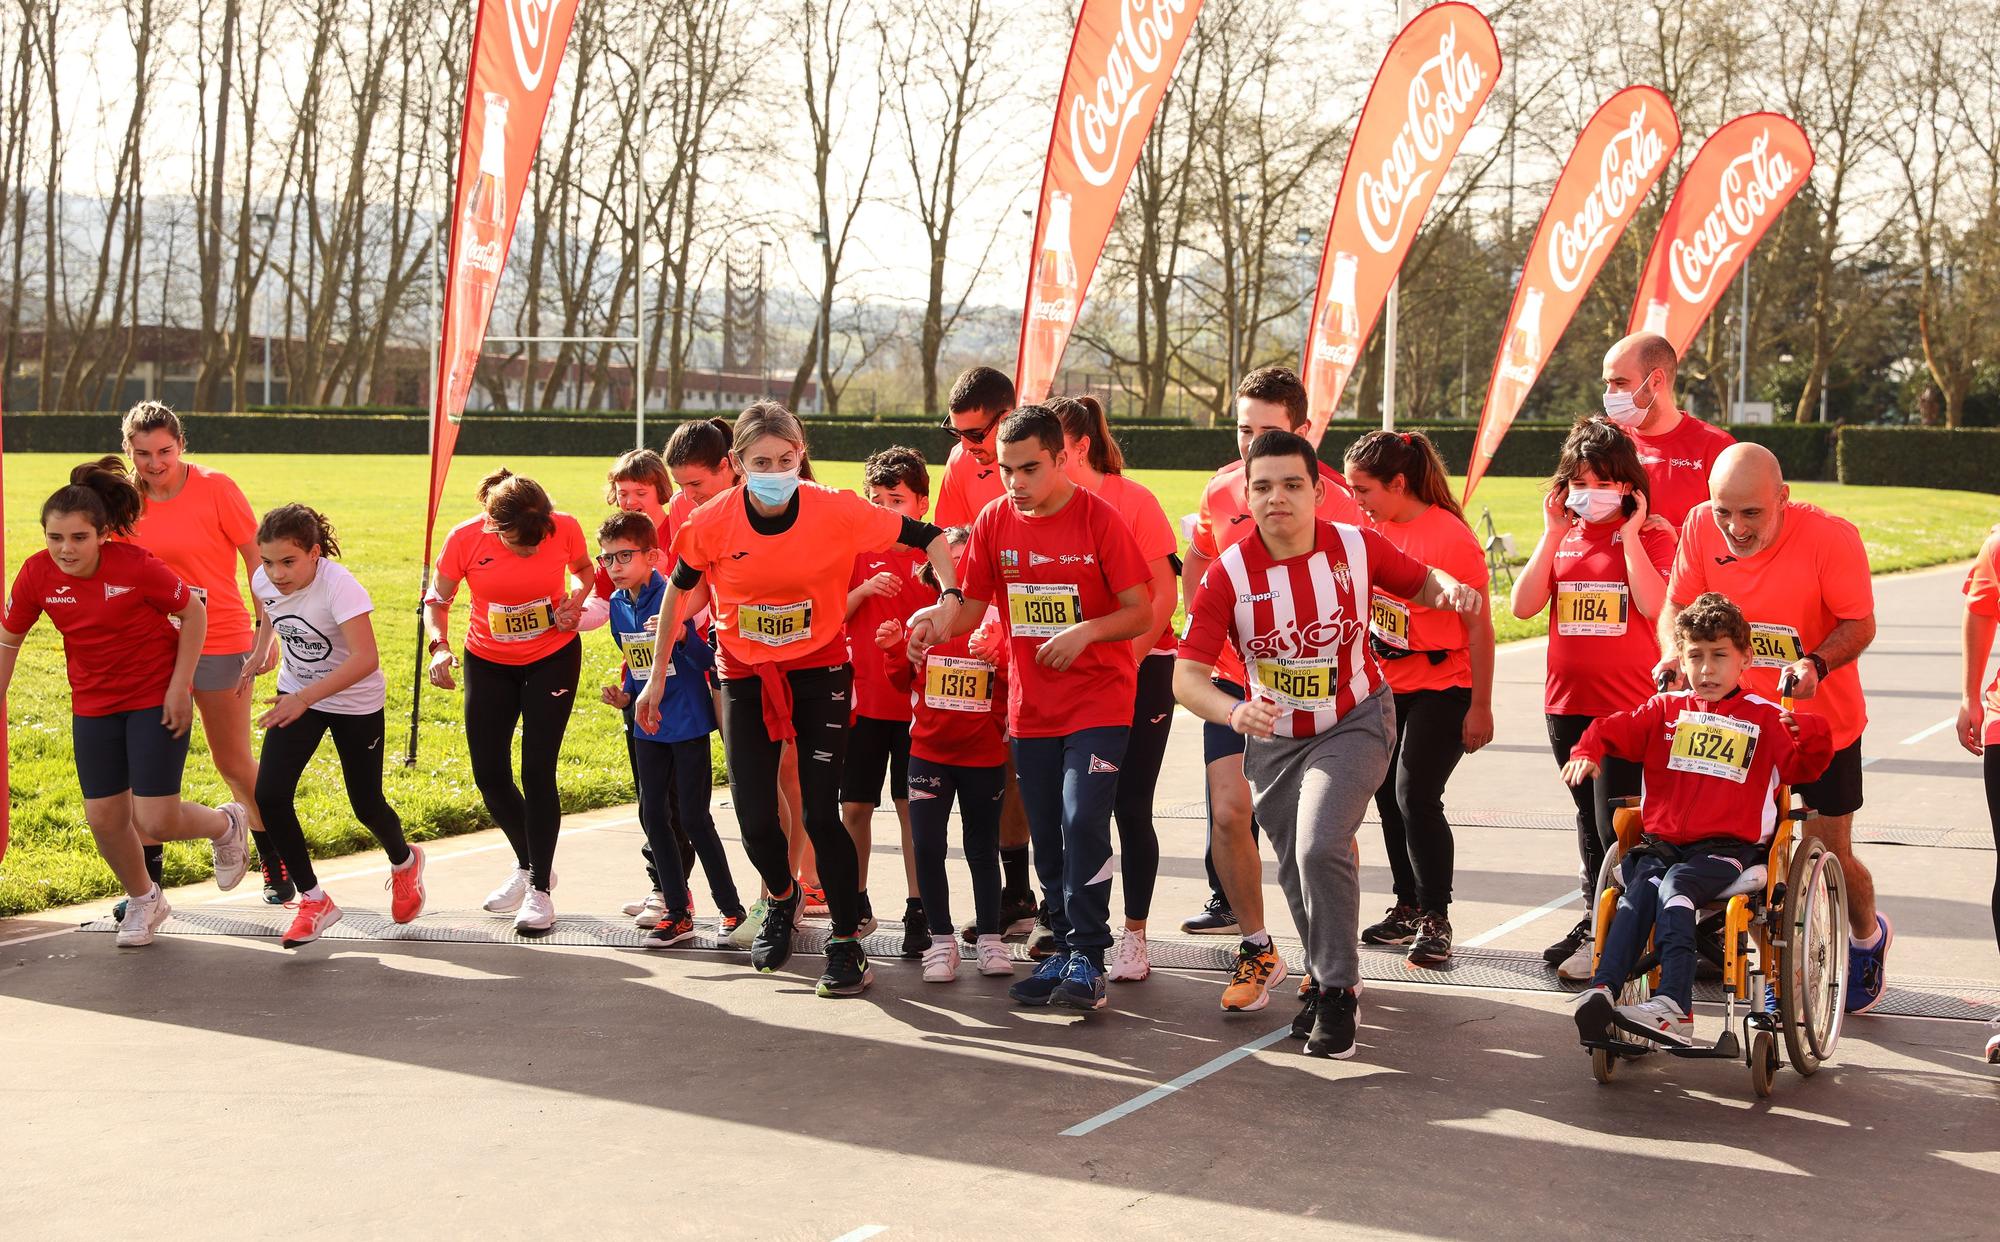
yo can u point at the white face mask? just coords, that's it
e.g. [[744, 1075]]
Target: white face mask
[[1624, 409], [1595, 504]]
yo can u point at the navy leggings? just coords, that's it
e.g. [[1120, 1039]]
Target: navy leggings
[[1664, 890], [979, 791], [1068, 786]]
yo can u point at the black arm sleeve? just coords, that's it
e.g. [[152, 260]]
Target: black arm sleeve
[[686, 577], [918, 535]]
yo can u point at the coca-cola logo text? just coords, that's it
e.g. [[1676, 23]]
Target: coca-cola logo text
[[483, 256], [1052, 310], [1441, 97], [528, 23], [1134, 65], [1626, 168], [1750, 184]]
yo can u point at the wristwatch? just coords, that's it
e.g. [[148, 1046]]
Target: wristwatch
[[953, 591], [439, 644], [1818, 663]]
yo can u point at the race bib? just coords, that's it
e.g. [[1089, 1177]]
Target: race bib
[[1306, 685], [1389, 620], [1774, 646], [775, 625], [1043, 609], [1592, 609], [638, 650], [517, 623], [954, 684], [1708, 744]]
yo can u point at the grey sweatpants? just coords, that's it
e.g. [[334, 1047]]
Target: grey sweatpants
[[1310, 794]]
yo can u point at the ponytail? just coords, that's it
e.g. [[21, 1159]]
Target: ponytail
[[103, 493], [299, 524], [1083, 419], [1408, 455]]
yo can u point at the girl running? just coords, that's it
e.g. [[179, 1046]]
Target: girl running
[[1979, 709], [522, 662], [329, 681], [1439, 663], [777, 556], [1095, 463], [131, 683]]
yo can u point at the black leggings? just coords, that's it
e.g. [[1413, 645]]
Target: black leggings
[[1430, 740], [1138, 776], [680, 770], [1993, 813], [538, 698], [979, 792], [820, 698], [1616, 778], [288, 749]]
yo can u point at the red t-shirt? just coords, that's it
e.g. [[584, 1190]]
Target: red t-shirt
[[967, 489], [1433, 537], [1793, 593], [513, 596], [959, 707], [1601, 649], [1678, 463], [1982, 599], [117, 640], [874, 696], [1302, 622], [1147, 521], [1046, 574], [200, 534]]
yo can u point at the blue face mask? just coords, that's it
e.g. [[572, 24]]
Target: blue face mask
[[775, 488]]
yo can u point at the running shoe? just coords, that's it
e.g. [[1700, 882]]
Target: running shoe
[[537, 916], [1258, 970], [143, 916], [1037, 988], [1302, 1024], [725, 928], [507, 898], [1215, 919], [1333, 1025], [1562, 950], [744, 934], [1398, 926], [866, 924], [232, 848], [994, 959], [815, 901], [1042, 941], [1127, 963], [1081, 986], [1017, 912], [772, 946], [1867, 974], [670, 930], [631, 908], [649, 911], [278, 887], [1579, 966], [847, 971], [1594, 1013], [406, 887], [312, 920], [941, 960], [1432, 944], [916, 931], [1657, 1018], [1993, 1043]]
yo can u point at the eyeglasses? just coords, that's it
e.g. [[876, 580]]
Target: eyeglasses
[[622, 556], [970, 437]]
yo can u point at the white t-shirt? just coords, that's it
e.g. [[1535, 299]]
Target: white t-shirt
[[310, 643]]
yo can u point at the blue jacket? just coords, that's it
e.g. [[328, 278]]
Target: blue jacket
[[686, 711]]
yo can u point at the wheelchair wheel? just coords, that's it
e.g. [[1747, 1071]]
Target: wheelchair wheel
[[1603, 1065], [1813, 962], [1763, 1063]]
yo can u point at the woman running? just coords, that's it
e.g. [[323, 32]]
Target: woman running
[[329, 681], [198, 522], [522, 662], [1602, 573], [777, 557], [1095, 463], [1440, 665], [1979, 711], [131, 684]]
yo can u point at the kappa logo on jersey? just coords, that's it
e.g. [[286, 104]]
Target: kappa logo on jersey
[[1100, 765], [113, 592], [1036, 558], [1257, 598]]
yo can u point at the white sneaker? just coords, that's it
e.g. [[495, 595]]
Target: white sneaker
[[1127, 962], [143, 915], [632, 908], [1659, 1019], [941, 960], [1993, 1043], [994, 958], [1577, 967], [651, 910], [507, 898], [538, 913], [232, 848]]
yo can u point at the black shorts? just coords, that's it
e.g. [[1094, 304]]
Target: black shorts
[[128, 751], [876, 748], [1221, 741], [1838, 791]]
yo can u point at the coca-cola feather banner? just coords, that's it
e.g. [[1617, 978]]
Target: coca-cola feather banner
[[1121, 61], [1619, 156], [1431, 85], [1737, 184]]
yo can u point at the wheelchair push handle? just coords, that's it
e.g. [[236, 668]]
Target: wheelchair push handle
[[1665, 680], [1787, 683]]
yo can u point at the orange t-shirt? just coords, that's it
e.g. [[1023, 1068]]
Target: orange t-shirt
[[199, 534], [968, 487], [1982, 599], [513, 596], [1443, 541], [1793, 593], [1147, 521], [782, 598]]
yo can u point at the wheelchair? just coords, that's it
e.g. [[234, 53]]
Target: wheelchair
[[1779, 937]]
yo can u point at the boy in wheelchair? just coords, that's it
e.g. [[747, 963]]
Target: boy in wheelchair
[[1714, 758]]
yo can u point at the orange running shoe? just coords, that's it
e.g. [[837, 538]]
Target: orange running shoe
[[313, 919], [815, 900], [1258, 969], [406, 888]]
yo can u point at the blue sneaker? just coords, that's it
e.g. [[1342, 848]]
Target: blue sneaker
[[1037, 988], [1867, 976], [1082, 985]]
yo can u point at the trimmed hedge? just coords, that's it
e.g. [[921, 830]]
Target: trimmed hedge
[[1961, 459]]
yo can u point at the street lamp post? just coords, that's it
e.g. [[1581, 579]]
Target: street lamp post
[[266, 220], [1303, 238], [825, 315]]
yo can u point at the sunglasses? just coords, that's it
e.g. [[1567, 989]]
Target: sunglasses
[[622, 556], [971, 437]]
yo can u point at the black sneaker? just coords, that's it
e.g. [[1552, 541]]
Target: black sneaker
[[1594, 1014], [1333, 1025], [865, 925], [916, 929], [672, 929], [278, 887], [773, 946], [1215, 919], [847, 972], [1562, 950], [1018, 912], [1398, 926], [1042, 941], [1302, 1025], [1432, 943]]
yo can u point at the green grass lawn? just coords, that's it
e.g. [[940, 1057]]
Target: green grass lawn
[[376, 506]]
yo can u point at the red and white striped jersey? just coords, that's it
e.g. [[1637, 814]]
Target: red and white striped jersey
[[1301, 624]]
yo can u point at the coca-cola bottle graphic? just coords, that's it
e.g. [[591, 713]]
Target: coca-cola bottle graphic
[[479, 255], [1337, 336], [1053, 306], [1656, 316], [1524, 343]]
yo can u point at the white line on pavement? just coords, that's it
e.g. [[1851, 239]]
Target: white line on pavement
[[1939, 727], [1522, 920], [1188, 1079], [862, 1233], [12, 941]]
